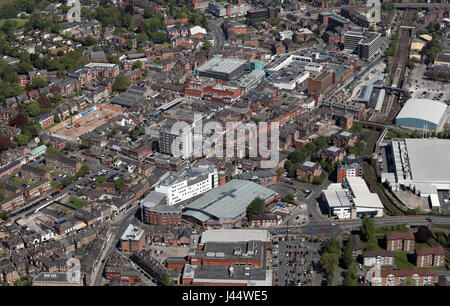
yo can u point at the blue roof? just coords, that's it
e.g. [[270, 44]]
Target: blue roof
[[38, 149]]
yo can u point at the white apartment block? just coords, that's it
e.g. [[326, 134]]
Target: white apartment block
[[188, 183]]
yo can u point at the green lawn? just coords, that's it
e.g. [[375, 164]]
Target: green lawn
[[375, 243], [17, 181], [77, 203], [401, 261], [51, 170], [20, 22], [446, 226], [422, 244]]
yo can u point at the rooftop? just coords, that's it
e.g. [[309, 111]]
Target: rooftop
[[222, 65], [228, 201], [132, 233], [235, 235], [423, 109]]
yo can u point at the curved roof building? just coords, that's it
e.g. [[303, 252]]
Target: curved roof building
[[421, 113]]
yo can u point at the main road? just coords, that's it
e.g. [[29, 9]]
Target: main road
[[219, 36], [326, 228], [119, 225]]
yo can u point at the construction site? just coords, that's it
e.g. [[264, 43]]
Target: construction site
[[85, 122]]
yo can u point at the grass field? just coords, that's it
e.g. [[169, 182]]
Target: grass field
[[445, 226], [401, 261], [20, 22], [77, 203], [422, 244], [51, 170]]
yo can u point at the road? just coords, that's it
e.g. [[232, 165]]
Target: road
[[119, 225], [219, 36], [314, 227]]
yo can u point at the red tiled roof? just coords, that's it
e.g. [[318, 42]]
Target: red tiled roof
[[399, 235], [438, 250], [399, 273]]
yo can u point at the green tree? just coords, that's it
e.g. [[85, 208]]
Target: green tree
[[53, 150], [83, 171], [121, 83], [329, 262], [137, 64], [86, 143], [368, 229], [38, 82], [349, 280], [33, 109], [256, 207], [280, 171], [119, 183], [165, 280], [207, 45], [100, 179], [289, 198], [347, 255], [333, 246]]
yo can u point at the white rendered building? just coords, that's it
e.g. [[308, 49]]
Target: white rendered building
[[188, 183]]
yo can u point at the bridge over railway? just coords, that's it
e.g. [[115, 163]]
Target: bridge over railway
[[390, 88], [379, 126]]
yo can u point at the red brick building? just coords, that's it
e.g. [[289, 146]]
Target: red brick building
[[163, 215], [430, 257], [345, 139], [133, 239], [308, 170], [45, 120], [321, 83], [400, 241], [265, 220], [333, 154], [398, 277]]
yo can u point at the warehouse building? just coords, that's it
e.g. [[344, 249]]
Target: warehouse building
[[227, 205], [422, 114], [420, 165], [352, 199]]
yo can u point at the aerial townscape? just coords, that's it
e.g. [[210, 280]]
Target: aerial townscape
[[224, 143]]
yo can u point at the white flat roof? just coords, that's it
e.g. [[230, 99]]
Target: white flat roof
[[132, 233], [429, 159], [337, 198], [362, 195], [423, 109], [235, 235]]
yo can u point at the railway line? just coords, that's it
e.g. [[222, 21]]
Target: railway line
[[397, 72]]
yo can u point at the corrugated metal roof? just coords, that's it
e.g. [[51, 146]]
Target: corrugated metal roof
[[228, 201]]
